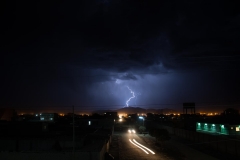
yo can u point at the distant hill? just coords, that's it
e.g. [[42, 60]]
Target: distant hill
[[132, 110], [103, 111]]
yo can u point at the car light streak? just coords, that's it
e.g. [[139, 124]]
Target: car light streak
[[138, 146], [143, 146]]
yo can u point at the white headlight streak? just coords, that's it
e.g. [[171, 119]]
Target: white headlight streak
[[143, 146], [138, 146]]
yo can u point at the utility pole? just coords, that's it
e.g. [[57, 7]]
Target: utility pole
[[73, 134]]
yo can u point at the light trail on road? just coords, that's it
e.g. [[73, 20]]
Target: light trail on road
[[138, 146], [143, 146]]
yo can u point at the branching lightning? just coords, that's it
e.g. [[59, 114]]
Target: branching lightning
[[133, 96]]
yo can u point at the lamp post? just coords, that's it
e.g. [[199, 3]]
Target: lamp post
[[142, 119], [73, 134]]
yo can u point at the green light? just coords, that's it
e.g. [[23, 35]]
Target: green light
[[205, 124], [213, 124], [199, 124], [222, 126]]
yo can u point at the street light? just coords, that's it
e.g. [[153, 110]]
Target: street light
[[142, 119]]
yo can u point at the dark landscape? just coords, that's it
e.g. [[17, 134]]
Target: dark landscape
[[120, 79]]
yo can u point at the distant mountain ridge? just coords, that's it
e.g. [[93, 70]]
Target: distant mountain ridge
[[132, 110]]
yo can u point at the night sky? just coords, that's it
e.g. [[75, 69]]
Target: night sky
[[89, 53]]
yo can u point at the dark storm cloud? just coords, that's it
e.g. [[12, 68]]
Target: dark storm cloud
[[68, 50], [121, 35], [114, 30], [205, 33], [128, 76]]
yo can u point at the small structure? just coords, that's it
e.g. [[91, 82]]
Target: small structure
[[48, 117], [187, 106], [211, 128]]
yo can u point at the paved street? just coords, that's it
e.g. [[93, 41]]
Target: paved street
[[123, 149]]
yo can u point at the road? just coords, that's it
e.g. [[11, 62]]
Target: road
[[122, 149], [128, 151]]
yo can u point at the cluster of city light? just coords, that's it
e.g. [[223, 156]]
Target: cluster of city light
[[120, 115], [85, 114], [142, 147], [209, 114], [175, 114]]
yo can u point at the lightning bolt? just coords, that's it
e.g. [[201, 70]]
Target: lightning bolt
[[133, 96]]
